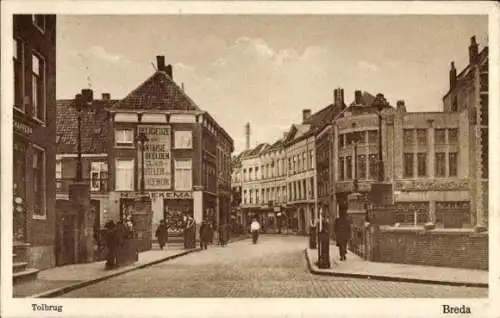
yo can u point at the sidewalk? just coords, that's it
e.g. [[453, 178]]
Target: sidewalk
[[56, 281], [59, 280], [357, 267]]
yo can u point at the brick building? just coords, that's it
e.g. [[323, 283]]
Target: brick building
[[468, 93], [34, 153], [95, 131], [186, 158]]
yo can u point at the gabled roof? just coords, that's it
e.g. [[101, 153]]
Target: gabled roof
[[158, 92], [94, 126]]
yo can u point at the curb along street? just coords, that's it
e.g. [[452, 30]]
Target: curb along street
[[65, 289], [316, 271]]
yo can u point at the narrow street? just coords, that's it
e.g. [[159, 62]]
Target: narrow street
[[275, 267]]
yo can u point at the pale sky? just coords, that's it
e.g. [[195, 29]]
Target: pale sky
[[266, 69]]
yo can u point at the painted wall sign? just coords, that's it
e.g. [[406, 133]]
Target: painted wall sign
[[169, 195], [157, 157], [22, 128]]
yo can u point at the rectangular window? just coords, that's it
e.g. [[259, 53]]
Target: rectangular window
[[18, 75], [39, 184], [124, 137], [98, 176], [440, 136], [372, 166], [38, 87], [452, 164], [361, 167], [453, 136], [250, 174], [440, 164], [245, 198], [408, 165], [124, 176], [311, 159], [183, 139], [341, 169], [372, 136], [361, 137], [183, 175], [408, 137], [348, 168], [422, 136], [422, 164], [39, 21], [341, 140]]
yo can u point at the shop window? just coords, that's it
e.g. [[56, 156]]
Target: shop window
[[440, 164], [124, 176], [38, 87], [408, 165], [124, 137], [183, 139], [39, 184], [183, 175]]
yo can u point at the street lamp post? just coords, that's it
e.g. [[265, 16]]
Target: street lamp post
[[82, 101], [380, 103], [142, 139], [355, 155]]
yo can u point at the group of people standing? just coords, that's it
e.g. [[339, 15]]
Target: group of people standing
[[115, 236], [206, 233]]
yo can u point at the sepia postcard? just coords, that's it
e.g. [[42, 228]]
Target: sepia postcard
[[250, 159]]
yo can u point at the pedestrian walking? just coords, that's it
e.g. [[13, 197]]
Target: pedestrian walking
[[162, 234], [205, 234], [342, 229], [190, 232], [254, 229], [111, 242], [223, 234]]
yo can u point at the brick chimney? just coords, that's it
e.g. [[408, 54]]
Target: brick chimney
[[106, 96], [400, 106], [160, 63], [338, 96], [87, 95], [306, 114], [453, 76], [358, 98], [473, 50]]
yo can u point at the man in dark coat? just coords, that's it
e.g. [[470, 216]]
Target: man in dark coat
[[111, 241], [223, 234], [205, 234], [162, 234], [342, 228]]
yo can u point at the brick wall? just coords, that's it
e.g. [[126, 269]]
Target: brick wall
[[449, 248]]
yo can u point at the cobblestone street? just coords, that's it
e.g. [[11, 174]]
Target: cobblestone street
[[276, 267]]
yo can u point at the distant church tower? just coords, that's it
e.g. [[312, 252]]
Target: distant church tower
[[247, 135]]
